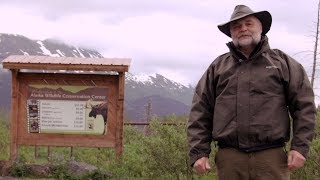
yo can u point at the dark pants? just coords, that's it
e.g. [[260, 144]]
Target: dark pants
[[270, 164]]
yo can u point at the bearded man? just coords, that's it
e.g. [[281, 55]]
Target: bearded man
[[243, 102]]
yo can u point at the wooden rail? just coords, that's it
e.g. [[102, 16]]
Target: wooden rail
[[147, 123]]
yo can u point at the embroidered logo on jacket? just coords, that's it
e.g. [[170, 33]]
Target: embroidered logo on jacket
[[270, 67]]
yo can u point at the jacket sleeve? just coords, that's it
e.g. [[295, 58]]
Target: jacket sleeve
[[300, 97], [199, 127]]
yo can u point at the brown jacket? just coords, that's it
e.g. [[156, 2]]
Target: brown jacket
[[244, 103]]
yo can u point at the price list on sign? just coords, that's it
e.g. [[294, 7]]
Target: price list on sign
[[67, 109], [62, 115]]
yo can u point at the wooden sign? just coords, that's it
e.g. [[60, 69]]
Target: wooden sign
[[66, 102]]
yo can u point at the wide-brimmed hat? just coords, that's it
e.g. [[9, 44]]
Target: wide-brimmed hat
[[241, 11]]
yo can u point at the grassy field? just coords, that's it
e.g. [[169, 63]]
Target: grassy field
[[162, 154]]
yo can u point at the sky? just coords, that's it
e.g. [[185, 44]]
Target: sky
[[175, 38]]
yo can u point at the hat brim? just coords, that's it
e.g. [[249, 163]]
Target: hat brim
[[264, 17]]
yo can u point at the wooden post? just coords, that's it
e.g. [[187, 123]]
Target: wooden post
[[14, 116], [119, 133], [71, 153], [148, 110], [49, 154], [36, 153]]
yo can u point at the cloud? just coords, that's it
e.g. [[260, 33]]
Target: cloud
[[165, 41], [178, 39]]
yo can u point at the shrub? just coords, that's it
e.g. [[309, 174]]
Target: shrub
[[166, 149], [19, 169], [4, 136]]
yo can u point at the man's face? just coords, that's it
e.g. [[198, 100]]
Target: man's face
[[246, 32]]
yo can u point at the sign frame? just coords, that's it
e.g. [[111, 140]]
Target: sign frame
[[21, 79]]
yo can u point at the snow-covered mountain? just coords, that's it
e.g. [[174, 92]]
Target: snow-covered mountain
[[164, 95], [155, 84], [20, 45]]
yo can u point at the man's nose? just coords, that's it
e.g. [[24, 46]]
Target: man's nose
[[243, 28]]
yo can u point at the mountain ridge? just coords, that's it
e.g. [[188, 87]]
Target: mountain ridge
[[169, 97]]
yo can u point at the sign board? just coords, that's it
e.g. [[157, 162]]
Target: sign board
[[66, 102], [67, 109]]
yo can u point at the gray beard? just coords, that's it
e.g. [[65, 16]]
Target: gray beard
[[256, 38]]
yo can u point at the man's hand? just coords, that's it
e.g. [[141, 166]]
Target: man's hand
[[202, 165], [295, 160]]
